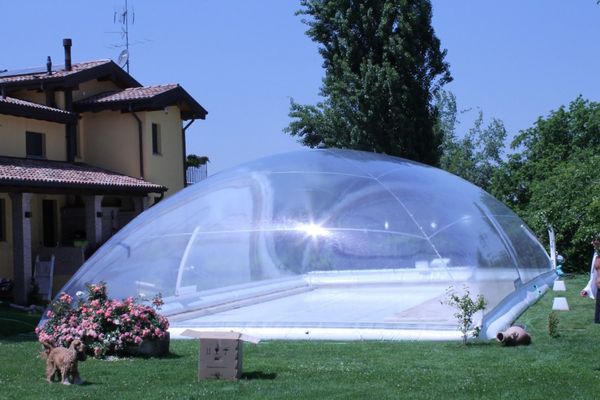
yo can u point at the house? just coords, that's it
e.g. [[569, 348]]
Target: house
[[84, 148]]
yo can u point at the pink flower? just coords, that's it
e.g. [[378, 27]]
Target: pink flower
[[65, 298]]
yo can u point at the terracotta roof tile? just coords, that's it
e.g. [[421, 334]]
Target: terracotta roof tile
[[78, 67], [144, 99], [28, 104], [136, 93], [32, 172]]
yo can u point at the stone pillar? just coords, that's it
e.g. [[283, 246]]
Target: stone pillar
[[93, 220], [22, 260], [140, 204]]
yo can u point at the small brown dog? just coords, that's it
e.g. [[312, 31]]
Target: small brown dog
[[62, 362]]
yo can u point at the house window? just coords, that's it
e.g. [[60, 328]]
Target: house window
[[156, 147], [2, 220], [35, 145]]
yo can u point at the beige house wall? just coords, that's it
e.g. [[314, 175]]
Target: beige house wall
[[165, 168], [85, 89], [30, 95], [12, 137], [109, 139], [92, 88]]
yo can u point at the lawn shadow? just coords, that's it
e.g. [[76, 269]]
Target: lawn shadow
[[259, 375], [128, 356], [168, 356], [17, 325], [84, 383], [20, 337], [480, 343], [472, 344], [89, 383]]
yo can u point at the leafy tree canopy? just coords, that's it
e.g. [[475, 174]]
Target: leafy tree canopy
[[383, 64], [478, 153], [552, 178]]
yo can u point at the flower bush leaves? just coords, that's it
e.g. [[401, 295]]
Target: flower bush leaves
[[106, 326]]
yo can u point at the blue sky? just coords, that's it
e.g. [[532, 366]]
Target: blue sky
[[244, 59]]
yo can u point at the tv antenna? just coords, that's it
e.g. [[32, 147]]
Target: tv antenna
[[124, 18]]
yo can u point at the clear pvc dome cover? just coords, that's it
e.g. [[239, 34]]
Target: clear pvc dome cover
[[325, 243]]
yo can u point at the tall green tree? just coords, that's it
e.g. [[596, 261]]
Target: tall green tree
[[383, 64], [477, 154]]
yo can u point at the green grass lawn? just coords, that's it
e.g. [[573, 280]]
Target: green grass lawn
[[566, 367]]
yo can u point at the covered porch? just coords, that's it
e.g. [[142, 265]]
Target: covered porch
[[62, 209]]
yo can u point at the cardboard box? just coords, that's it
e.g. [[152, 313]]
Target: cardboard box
[[220, 353]]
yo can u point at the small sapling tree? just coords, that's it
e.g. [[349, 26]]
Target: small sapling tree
[[466, 307]]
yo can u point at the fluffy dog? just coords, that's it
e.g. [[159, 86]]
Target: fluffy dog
[[62, 362]]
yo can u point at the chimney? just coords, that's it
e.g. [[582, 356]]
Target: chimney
[[49, 66], [67, 45]]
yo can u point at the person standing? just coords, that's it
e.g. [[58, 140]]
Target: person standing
[[591, 289]]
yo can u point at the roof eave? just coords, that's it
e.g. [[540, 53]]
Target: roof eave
[[11, 185], [18, 110], [190, 108], [178, 95], [107, 71]]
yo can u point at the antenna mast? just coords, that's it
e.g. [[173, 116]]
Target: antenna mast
[[124, 18]]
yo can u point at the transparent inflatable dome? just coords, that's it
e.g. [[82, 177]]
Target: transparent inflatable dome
[[326, 244]]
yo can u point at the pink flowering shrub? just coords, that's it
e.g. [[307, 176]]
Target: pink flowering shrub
[[106, 326]]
